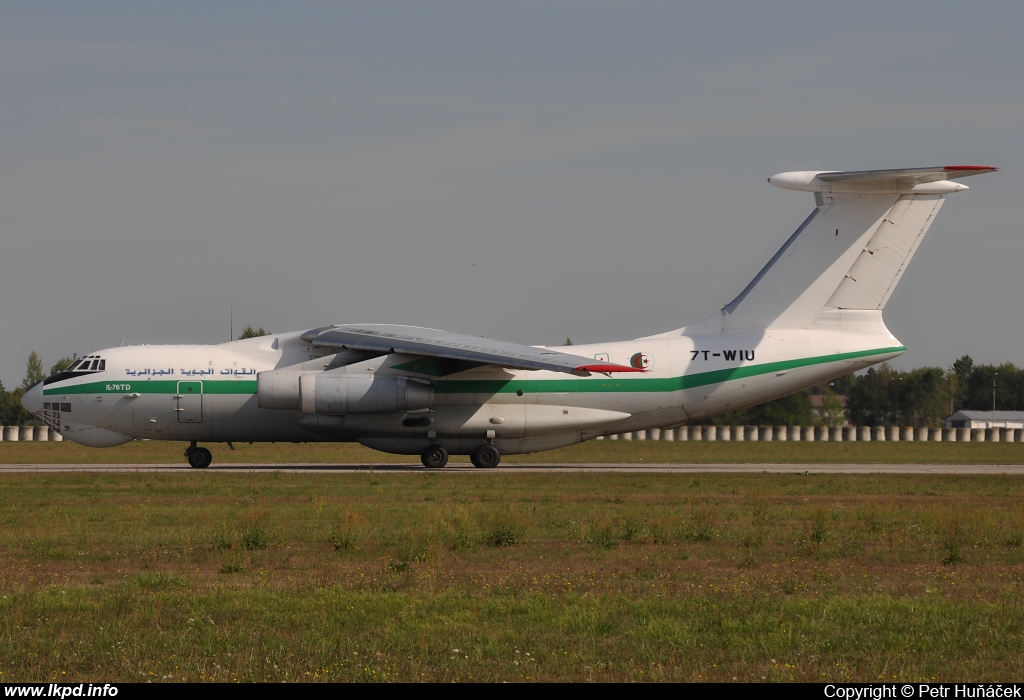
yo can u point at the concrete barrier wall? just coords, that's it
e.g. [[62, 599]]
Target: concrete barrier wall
[[29, 433], [765, 433], [712, 433]]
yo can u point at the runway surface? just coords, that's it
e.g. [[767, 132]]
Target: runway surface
[[536, 468]]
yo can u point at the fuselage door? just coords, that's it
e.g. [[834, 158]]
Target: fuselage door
[[189, 400]]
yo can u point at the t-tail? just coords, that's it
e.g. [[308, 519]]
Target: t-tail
[[814, 312], [852, 250]]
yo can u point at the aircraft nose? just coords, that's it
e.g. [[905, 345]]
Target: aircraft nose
[[33, 399]]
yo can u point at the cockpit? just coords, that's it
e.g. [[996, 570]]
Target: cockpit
[[90, 363], [86, 365]]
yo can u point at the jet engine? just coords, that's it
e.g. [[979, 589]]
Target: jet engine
[[338, 393]]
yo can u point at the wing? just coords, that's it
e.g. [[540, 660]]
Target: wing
[[427, 342]]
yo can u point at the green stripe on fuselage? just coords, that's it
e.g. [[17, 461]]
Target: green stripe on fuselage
[[639, 385], [505, 386], [161, 386]]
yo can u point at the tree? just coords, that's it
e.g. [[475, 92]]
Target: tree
[[962, 369], [250, 332], [1008, 381], [884, 396], [11, 410], [794, 409], [832, 411], [568, 341], [33, 372], [60, 365]]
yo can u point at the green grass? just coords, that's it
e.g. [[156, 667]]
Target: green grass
[[417, 576], [604, 451]]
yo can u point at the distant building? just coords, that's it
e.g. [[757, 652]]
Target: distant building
[[822, 413], [986, 419]]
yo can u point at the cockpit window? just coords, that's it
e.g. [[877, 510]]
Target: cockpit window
[[89, 363]]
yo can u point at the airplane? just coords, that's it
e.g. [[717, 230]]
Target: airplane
[[813, 313]]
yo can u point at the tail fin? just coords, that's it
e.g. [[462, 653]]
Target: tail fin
[[851, 251]]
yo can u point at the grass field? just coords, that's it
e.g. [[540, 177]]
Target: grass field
[[418, 576], [606, 451]]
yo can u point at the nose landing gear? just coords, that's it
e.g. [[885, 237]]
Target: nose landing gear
[[198, 457]]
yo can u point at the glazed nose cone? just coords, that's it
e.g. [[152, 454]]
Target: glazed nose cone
[[33, 399]]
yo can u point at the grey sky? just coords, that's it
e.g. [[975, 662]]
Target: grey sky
[[521, 170]]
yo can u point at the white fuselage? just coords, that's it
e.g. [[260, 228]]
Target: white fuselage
[[812, 313], [207, 393]]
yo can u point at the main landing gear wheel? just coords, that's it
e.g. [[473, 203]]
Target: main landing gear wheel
[[434, 457], [485, 457], [199, 457]]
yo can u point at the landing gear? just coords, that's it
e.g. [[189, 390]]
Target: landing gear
[[485, 457], [198, 457], [434, 457]]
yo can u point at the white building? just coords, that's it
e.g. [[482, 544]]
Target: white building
[[986, 419]]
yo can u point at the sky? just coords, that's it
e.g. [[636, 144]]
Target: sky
[[527, 171]]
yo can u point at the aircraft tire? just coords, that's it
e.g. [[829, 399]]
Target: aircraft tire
[[485, 457], [200, 458], [434, 457]]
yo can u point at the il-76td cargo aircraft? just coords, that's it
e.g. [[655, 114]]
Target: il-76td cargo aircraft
[[814, 312]]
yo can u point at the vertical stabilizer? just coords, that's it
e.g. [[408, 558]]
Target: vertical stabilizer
[[851, 251]]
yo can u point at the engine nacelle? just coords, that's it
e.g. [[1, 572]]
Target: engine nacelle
[[338, 393]]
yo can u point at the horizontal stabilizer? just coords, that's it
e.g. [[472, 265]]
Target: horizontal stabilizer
[[852, 250], [936, 180]]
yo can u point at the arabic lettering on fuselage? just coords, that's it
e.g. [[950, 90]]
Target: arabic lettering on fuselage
[[227, 371]]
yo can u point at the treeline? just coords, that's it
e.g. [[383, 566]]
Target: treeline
[[880, 396], [925, 396]]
